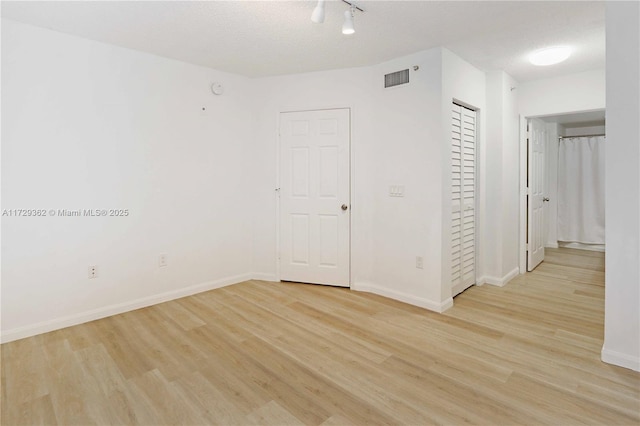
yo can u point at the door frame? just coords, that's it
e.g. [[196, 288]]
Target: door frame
[[532, 198], [522, 248], [524, 152], [524, 196], [307, 108]]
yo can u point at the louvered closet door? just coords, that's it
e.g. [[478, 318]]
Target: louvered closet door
[[463, 197]]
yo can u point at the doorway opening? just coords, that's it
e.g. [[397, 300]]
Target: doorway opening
[[565, 206]]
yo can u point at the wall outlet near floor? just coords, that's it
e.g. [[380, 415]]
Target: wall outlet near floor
[[162, 260], [93, 271], [419, 262]]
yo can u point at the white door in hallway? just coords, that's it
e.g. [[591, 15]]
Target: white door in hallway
[[315, 196], [463, 199], [536, 139]]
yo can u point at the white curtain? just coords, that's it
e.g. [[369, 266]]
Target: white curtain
[[581, 190]]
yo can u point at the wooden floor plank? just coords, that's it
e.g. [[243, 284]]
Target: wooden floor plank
[[284, 353]]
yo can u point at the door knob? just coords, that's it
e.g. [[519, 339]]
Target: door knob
[[344, 207], [545, 199]]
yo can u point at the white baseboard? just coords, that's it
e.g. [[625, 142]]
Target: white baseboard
[[551, 245], [403, 297], [581, 246], [620, 359], [107, 311], [263, 276], [500, 282]]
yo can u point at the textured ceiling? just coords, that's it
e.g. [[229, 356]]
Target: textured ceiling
[[261, 38]]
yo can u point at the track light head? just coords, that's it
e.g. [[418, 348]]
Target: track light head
[[347, 27], [318, 13], [317, 16]]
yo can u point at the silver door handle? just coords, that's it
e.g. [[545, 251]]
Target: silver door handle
[[344, 207], [545, 199]]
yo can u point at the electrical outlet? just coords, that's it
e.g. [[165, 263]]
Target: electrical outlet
[[93, 271], [396, 191], [162, 261], [419, 262]]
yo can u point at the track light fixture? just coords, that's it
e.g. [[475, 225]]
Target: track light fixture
[[318, 13], [347, 27]]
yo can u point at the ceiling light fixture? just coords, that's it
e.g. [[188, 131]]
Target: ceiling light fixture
[[550, 55], [318, 13], [347, 27]]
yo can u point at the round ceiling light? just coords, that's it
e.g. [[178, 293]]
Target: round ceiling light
[[550, 55]]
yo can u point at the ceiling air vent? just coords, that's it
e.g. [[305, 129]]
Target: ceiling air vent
[[396, 78]]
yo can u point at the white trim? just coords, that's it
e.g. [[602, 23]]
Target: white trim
[[581, 246], [403, 297], [262, 276], [620, 359], [551, 245], [500, 282], [277, 194], [352, 193], [95, 314], [522, 247]]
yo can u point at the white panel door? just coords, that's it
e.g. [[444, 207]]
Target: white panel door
[[536, 139], [315, 196], [463, 199]]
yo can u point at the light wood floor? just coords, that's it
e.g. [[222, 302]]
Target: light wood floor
[[275, 353]]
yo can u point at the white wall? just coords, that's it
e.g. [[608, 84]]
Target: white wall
[[583, 91], [493, 197], [93, 126], [622, 288], [500, 168], [393, 131], [398, 138], [510, 183], [463, 83], [350, 88], [408, 150]]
